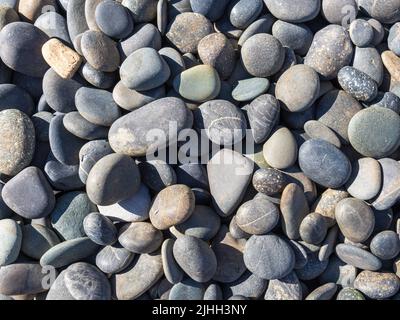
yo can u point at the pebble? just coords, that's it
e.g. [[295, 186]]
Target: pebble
[[113, 259], [37, 239], [140, 237], [29, 194], [393, 39], [334, 11], [377, 285], [262, 25], [100, 229], [268, 256], [172, 271], [313, 228], [387, 100], [83, 129], [244, 12], [249, 89], [17, 144], [11, 239], [269, 181], [187, 289], [142, 10], [13, 97], [295, 36], [287, 288], [369, 61], [339, 272], [248, 285], [280, 150], [358, 84], [157, 174], [355, 218], [385, 245], [212, 9], [60, 31], [366, 179], [76, 20], [262, 55], [317, 130], [324, 292], [100, 184], [193, 175], [62, 177], [350, 294], [294, 11], [390, 192], [41, 122], [392, 62], [213, 292], [7, 15], [128, 134], [358, 257], [314, 267], [97, 78], [144, 35], [361, 33], [318, 159], [195, 258]]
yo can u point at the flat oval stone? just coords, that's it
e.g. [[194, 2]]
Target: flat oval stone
[[10, 239], [195, 257], [248, 285], [142, 10], [157, 174], [250, 89], [113, 259], [366, 179], [64, 145], [60, 29], [360, 85], [280, 150], [330, 51], [83, 129], [385, 245], [224, 123], [295, 36], [68, 252], [244, 12], [144, 70], [187, 289], [101, 185], [258, 216], [369, 61], [294, 11], [294, 209], [100, 51], [144, 36], [313, 228], [59, 92], [172, 206], [37, 239], [14, 97], [375, 132], [377, 285], [212, 9], [287, 288], [262, 55], [97, 106], [29, 194], [390, 192], [358, 257], [172, 271], [76, 19], [17, 142], [355, 218], [187, 29], [268, 256], [317, 130], [198, 84], [21, 49], [140, 237], [134, 209], [21, 278], [204, 223], [97, 78], [128, 134], [318, 159], [100, 229]]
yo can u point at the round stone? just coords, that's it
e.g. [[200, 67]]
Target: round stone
[[113, 259], [172, 271], [294, 11], [204, 223], [262, 55], [37, 239], [268, 256], [187, 29], [17, 143], [244, 12], [330, 51], [144, 69], [113, 178], [390, 192], [377, 285], [313, 228], [280, 150], [269, 181], [10, 241], [298, 37], [385, 245], [249, 89], [41, 122], [21, 48], [198, 84], [360, 85], [375, 132], [97, 106], [366, 179], [223, 122], [187, 289], [172, 206], [349, 294], [361, 32], [29, 194], [355, 218], [195, 257], [287, 288], [100, 51], [140, 237], [258, 216], [334, 11], [319, 159], [317, 130], [142, 10], [358, 257], [100, 229]]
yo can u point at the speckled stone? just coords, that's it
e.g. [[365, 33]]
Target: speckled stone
[[269, 181], [377, 285], [349, 294], [330, 51], [375, 132], [249, 89], [358, 257], [37, 239], [385, 245], [280, 150], [157, 174], [366, 179], [11, 239], [318, 159], [287, 288], [17, 143], [262, 55], [113, 259], [294, 11], [357, 83], [369, 61], [187, 29], [390, 192], [140, 237], [268, 256]]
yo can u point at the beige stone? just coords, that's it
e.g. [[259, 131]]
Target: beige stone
[[392, 64], [61, 58]]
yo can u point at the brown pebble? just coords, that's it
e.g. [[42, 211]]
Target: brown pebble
[[392, 64]]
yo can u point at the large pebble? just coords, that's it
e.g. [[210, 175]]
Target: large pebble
[[317, 130], [157, 174], [172, 271], [384, 11], [249, 89], [358, 257], [37, 239], [326, 204], [269, 181], [390, 192], [140, 237], [337, 11], [45, 23], [142, 10], [313, 228], [295, 36], [294, 11], [360, 85], [377, 285], [244, 12], [212, 9], [113, 259], [100, 229], [280, 150], [187, 289], [385, 245], [10, 239], [369, 61]]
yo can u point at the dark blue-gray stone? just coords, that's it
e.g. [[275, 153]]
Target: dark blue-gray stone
[[323, 163], [361, 33], [32, 85], [54, 25], [387, 100], [385, 245], [213, 292], [76, 20], [314, 267], [100, 229], [97, 78], [294, 10], [82, 128], [357, 83], [390, 192], [13, 97], [338, 272], [295, 36], [194, 175], [187, 289], [5, 211], [157, 174], [113, 259], [42, 105], [358, 257], [174, 60], [369, 61], [172, 271], [37, 239], [243, 12], [212, 9], [248, 285], [41, 122], [68, 215]]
